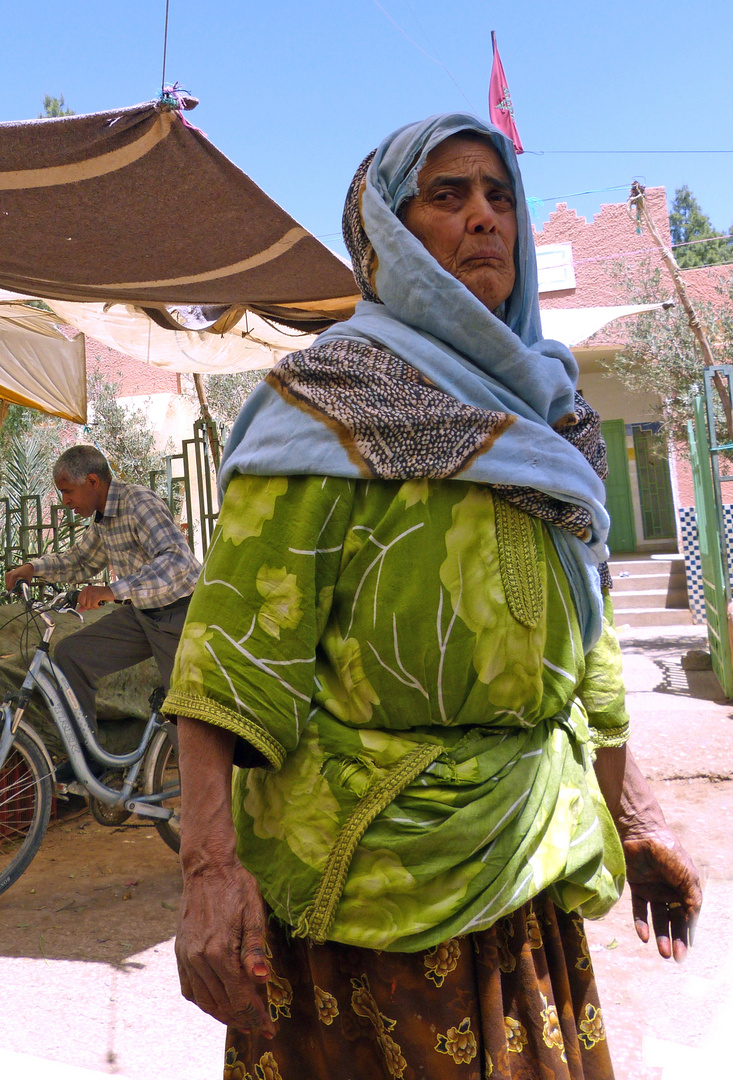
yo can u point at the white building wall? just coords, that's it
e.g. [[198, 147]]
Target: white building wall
[[613, 401]]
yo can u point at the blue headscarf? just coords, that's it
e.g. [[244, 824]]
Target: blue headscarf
[[392, 180], [419, 312]]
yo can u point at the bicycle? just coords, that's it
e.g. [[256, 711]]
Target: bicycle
[[143, 782]]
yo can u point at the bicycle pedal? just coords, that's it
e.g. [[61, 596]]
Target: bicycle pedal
[[73, 788]]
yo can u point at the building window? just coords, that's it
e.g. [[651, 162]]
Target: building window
[[555, 267]]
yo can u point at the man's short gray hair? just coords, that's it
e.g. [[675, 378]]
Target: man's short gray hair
[[78, 462]]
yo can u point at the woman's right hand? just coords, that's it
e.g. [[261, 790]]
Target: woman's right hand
[[220, 947]]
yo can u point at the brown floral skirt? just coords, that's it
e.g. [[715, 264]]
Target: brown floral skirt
[[515, 1002]]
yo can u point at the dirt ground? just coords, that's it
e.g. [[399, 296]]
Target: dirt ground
[[87, 973], [92, 894]]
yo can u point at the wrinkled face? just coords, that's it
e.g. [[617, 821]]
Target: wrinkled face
[[83, 498], [464, 214]]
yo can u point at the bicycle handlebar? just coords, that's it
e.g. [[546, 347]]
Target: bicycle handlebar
[[22, 589], [61, 602], [67, 599]]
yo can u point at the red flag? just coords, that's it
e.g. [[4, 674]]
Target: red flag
[[501, 110]]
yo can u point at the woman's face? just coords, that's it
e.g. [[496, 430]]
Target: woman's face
[[464, 214]]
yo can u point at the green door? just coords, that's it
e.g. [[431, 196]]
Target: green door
[[618, 488], [655, 487]]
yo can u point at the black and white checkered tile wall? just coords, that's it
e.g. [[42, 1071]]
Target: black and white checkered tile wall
[[691, 551]]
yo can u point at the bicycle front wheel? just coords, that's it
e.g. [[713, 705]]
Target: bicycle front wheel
[[25, 807], [165, 777]]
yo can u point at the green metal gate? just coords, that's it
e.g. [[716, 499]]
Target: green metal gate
[[191, 480], [711, 531]]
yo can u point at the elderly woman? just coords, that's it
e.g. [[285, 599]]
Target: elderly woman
[[402, 639]]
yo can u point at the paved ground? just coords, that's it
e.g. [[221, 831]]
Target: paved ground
[[668, 1022], [87, 976], [87, 972]]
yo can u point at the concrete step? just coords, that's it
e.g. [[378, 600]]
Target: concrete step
[[626, 580], [651, 617], [652, 592], [649, 598], [658, 584], [641, 567]]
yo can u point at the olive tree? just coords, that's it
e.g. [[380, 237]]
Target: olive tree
[[661, 355]]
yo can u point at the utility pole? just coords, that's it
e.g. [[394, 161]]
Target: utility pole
[[636, 206]]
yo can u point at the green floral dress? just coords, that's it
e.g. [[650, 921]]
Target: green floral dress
[[403, 665]]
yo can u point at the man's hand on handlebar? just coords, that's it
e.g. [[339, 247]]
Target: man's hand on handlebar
[[93, 596], [18, 573]]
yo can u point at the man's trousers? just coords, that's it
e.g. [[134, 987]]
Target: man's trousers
[[123, 638]]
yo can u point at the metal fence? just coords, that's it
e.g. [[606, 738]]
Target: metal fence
[[190, 481], [31, 529]]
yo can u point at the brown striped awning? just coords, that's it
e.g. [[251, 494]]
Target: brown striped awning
[[136, 205]]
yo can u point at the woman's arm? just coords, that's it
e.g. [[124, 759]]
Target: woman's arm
[[661, 875], [220, 945]]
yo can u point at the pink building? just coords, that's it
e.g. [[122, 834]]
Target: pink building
[[134, 378], [576, 260], [155, 390]]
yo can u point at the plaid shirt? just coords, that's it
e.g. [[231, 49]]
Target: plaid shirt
[[137, 537]]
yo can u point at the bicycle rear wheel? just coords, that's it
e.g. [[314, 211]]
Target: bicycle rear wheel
[[25, 807], [165, 776]]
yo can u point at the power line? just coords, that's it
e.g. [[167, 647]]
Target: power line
[[530, 199], [706, 240], [426, 54], [541, 153], [576, 194], [617, 255], [637, 253]]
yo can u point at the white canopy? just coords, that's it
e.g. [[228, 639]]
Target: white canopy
[[39, 367], [42, 369], [249, 346], [573, 325]]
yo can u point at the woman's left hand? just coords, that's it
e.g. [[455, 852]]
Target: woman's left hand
[[663, 880], [661, 875]]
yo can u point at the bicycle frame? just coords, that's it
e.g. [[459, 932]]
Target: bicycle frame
[[74, 730]]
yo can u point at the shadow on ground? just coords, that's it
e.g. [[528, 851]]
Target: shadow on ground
[[675, 677], [92, 893]]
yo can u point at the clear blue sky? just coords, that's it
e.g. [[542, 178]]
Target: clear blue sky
[[297, 93]]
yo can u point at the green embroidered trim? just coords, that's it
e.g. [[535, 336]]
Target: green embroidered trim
[[616, 736], [202, 708], [519, 563], [316, 920]]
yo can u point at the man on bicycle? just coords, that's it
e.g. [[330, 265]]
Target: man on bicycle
[[154, 573]]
